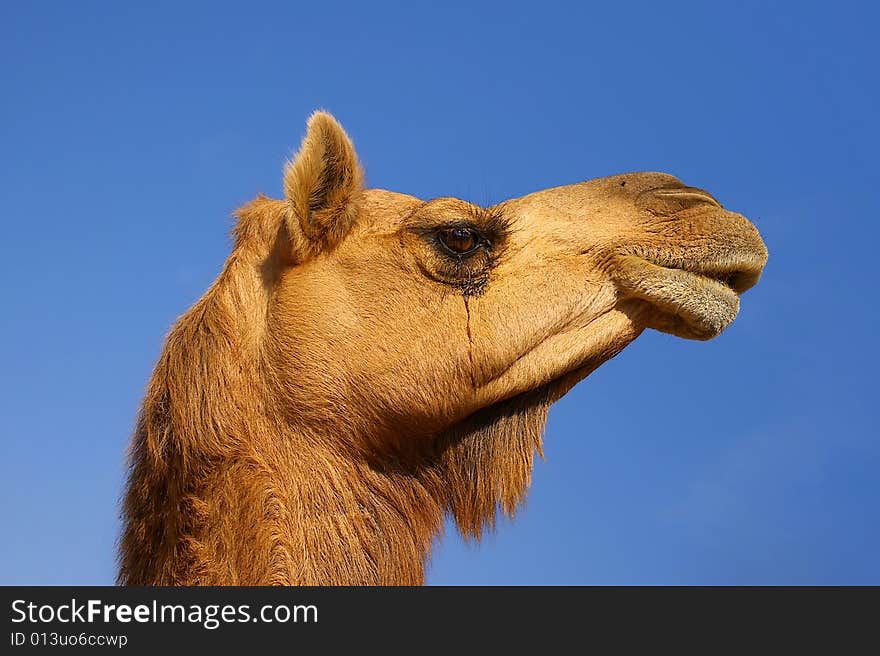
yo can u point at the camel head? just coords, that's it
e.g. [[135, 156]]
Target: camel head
[[368, 361], [406, 316]]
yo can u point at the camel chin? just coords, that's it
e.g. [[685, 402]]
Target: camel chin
[[685, 304], [698, 302]]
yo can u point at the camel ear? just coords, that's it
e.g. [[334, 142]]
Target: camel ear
[[323, 185]]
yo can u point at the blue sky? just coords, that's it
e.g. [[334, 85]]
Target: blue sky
[[129, 133]]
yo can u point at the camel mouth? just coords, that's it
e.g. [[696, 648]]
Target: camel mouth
[[696, 302]]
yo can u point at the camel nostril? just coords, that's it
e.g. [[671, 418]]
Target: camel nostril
[[687, 196], [670, 200]]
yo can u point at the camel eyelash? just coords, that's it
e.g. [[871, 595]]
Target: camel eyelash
[[461, 241], [488, 228], [463, 249]]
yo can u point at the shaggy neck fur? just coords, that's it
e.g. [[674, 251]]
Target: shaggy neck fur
[[224, 489]]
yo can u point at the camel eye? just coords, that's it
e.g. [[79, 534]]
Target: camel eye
[[459, 241]]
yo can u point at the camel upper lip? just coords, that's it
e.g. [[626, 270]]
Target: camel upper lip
[[737, 271]]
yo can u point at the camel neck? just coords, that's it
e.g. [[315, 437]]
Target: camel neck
[[315, 517], [292, 514]]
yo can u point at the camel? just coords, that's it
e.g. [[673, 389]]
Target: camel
[[368, 363]]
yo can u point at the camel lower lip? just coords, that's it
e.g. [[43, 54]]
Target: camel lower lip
[[690, 305]]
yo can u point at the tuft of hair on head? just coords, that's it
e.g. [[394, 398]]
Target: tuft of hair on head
[[323, 186]]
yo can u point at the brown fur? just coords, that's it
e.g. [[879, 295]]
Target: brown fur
[[346, 381]]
